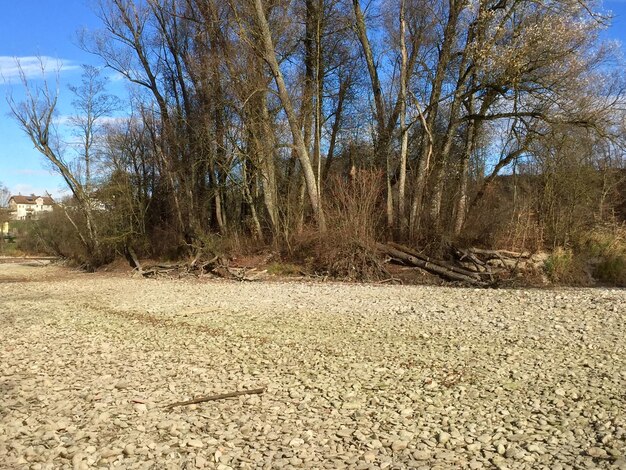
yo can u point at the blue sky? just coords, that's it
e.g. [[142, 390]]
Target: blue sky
[[48, 28], [31, 28], [618, 27]]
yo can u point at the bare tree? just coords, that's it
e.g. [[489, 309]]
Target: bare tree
[[240, 113], [269, 55], [91, 104], [36, 117]]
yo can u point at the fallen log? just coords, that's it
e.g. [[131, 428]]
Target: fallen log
[[431, 267], [463, 254], [441, 263], [221, 396]]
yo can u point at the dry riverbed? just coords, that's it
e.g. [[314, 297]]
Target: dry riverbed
[[357, 376]]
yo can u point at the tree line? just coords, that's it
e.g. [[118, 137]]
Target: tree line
[[480, 120]]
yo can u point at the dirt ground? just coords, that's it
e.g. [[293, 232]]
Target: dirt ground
[[354, 376]]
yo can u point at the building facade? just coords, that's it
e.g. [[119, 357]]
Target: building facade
[[29, 207]]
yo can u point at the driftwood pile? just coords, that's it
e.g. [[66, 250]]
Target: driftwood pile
[[472, 266], [217, 266], [468, 266]]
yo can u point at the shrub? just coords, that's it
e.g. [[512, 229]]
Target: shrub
[[606, 248], [283, 269], [599, 255], [612, 270], [564, 267], [354, 215]]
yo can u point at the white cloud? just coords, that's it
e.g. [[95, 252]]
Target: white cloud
[[32, 67], [116, 76], [67, 121], [62, 120]]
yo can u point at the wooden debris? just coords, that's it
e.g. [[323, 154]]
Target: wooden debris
[[473, 266], [450, 266], [221, 396], [431, 266], [216, 266]]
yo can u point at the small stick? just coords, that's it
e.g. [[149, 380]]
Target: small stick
[[256, 391]]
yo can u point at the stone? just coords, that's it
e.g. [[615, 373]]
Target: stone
[[110, 452], [296, 442], [474, 447], [375, 444], [397, 446], [499, 462], [597, 452], [513, 453], [535, 448], [422, 454], [140, 408], [197, 443], [369, 457], [345, 432], [337, 344]]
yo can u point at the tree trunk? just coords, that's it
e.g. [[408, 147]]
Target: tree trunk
[[435, 96], [298, 140], [404, 135], [343, 88], [268, 169], [383, 137], [461, 202]]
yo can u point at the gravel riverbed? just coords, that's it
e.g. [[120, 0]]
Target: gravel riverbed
[[356, 376]]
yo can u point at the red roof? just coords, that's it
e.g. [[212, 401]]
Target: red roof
[[48, 201]]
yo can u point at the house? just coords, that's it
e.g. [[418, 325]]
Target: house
[[29, 207]]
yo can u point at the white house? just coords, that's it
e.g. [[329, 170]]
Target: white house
[[29, 207]]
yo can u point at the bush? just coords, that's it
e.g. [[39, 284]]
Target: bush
[[354, 215], [53, 234], [612, 270], [283, 269], [599, 255], [606, 248], [563, 267]]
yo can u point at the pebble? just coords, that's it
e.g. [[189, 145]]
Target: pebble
[[347, 384], [397, 446], [369, 457], [475, 447], [537, 449], [296, 442], [200, 461], [597, 452], [422, 454]]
